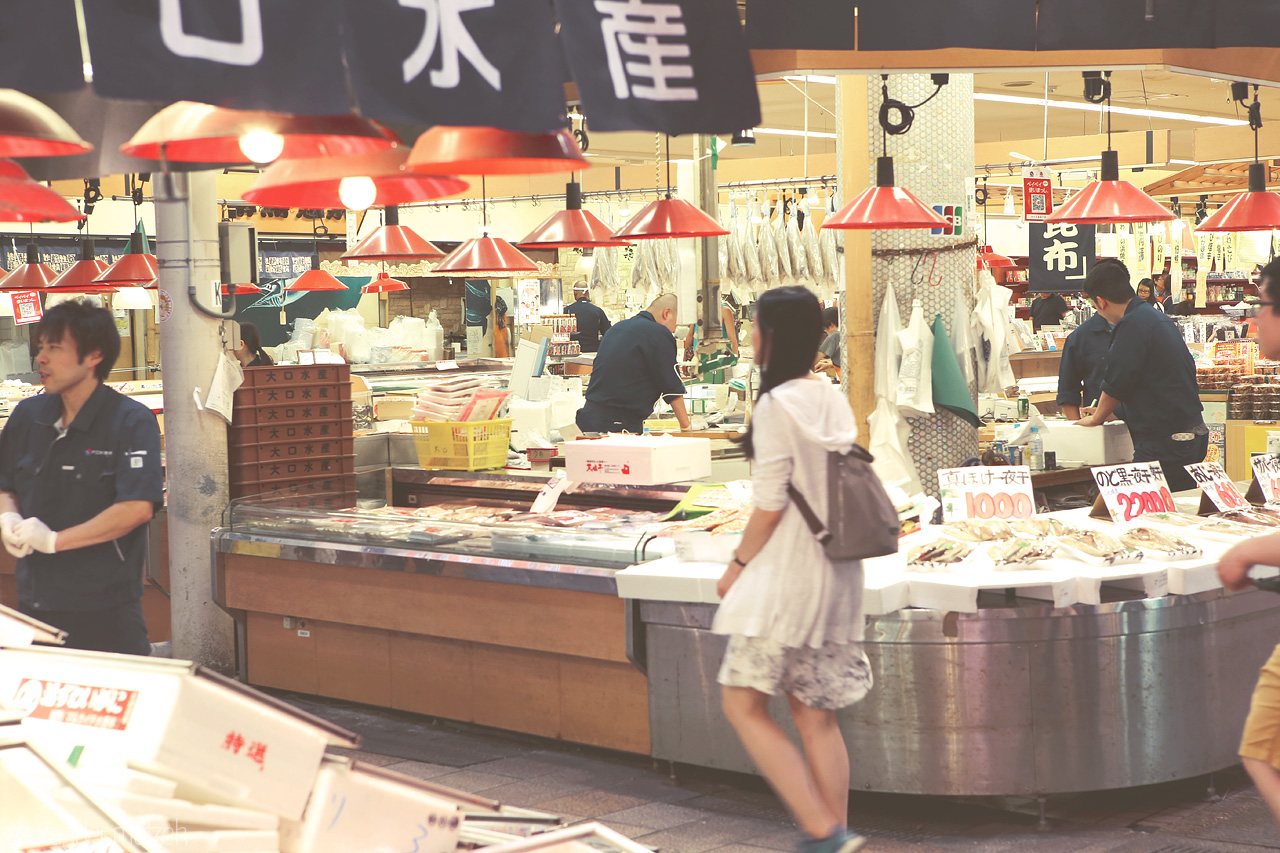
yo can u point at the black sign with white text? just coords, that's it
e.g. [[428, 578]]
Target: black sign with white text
[[1059, 256]]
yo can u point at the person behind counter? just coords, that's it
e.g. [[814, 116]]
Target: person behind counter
[[1048, 309], [251, 353], [1164, 299], [80, 477], [1080, 370], [636, 365], [829, 349], [1150, 370], [591, 319], [793, 617]]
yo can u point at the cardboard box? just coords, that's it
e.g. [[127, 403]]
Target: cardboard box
[[638, 460]]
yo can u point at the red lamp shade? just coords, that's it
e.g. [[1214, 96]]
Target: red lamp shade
[[444, 150], [137, 267], [384, 284], [81, 276], [1110, 199], [242, 289], [885, 206], [393, 242], [32, 275], [989, 258], [669, 217], [24, 200], [318, 182], [1255, 210], [572, 226], [486, 257], [29, 128], [315, 279], [187, 132]]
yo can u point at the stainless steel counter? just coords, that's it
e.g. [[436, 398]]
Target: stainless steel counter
[[1021, 700]]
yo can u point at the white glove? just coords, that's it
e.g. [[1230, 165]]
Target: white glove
[[9, 533], [34, 533]]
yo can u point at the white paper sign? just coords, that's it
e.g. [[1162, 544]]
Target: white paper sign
[[446, 365], [1133, 490], [1266, 470], [1215, 483], [977, 492]]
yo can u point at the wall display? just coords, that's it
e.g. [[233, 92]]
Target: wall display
[[1002, 493], [1133, 490], [1059, 256]]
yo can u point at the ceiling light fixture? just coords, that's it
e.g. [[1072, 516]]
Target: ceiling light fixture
[[81, 276], [384, 284], [743, 137], [1254, 210], [137, 266], [32, 275], [572, 227], [886, 205], [485, 256], [319, 182], [357, 192], [132, 299], [393, 242], [25, 200], [1097, 108], [29, 128], [315, 279], [444, 150], [669, 217]]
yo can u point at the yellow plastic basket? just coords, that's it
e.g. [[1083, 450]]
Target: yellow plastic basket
[[462, 445]]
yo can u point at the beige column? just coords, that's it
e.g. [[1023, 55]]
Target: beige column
[[853, 170]]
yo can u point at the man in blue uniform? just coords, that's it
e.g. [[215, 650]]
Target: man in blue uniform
[[1080, 371], [80, 477], [1150, 370], [635, 366], [591, 319]]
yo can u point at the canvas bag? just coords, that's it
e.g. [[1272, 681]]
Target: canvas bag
[[861, 520]]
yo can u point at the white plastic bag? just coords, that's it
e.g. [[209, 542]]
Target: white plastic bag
[[888, 349], [889, 434], [915, 376], [991, 335], [962, 339]]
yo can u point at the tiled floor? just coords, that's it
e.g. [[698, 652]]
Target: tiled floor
[[702, 811]]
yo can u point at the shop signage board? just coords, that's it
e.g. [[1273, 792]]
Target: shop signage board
[[1133, 490], [1217, 486], [1037, 193], [1060, 256], [26, 307], [976, 492], [1266, 473]]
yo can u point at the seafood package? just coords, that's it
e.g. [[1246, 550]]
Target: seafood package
[[1021, 553], [1250, 517], [1038, 527], [1174, 519], [1223, 530], [972, 530], [1159, 545], [939, 556], [1098, 548]]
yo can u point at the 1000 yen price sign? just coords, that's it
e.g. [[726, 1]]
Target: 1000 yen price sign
[[1002, 493], [1131, 491], [1001, 505]]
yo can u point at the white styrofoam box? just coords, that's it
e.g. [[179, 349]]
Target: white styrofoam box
[[671, 579], [530, 417], [358, 807], [540, 388], [564, 408], [639, 460], [701, 546], [17, 629], [220, 741], [1108, 444]]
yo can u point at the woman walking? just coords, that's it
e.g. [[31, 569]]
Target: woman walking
[[794, 618]]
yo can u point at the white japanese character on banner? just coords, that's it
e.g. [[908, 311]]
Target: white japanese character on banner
[[445, 25], [633, 27], [1062, 255], [247, 51]]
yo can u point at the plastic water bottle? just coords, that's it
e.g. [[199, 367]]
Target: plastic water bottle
[[1035, 450]]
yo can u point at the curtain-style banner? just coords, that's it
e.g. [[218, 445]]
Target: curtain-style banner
[[1123, 24], [40, 46], [930, 25], [675, 66], [813, 25], [1059, 256], [664, 65]]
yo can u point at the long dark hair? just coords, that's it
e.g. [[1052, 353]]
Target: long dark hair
[[253, 342], [790, 324]]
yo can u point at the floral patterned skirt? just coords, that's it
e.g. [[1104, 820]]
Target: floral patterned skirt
[[834, 676]]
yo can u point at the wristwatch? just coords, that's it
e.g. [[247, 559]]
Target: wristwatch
[[738, 561]]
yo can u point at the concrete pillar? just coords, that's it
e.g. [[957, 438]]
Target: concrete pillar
[[195, 441], [854, 164], [708, 198]]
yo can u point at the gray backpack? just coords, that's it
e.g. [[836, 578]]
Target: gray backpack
[[861, 520]]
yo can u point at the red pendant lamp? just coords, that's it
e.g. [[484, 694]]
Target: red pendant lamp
[[315, 279], [384, 284], [32, 275], [244, 288], [989, 258], [1255, 210], [81, 277], [393, 242], [137, 266], [669, 217], [1110, 199], [444, 150], [24, 200], [29, 128], [188, 132], [485, 256], [885, 206], [355, 182], [572, 227]]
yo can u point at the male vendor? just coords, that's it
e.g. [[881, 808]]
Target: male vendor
[[636, 364], [80, 477], [1080, 371], [1150, 370], [591, 319]]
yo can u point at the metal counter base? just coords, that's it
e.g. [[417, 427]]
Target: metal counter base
[[1026, 700]]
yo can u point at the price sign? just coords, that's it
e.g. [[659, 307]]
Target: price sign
[[1217, 486], [26, 307], [1133, 490], [446, 365], [1266, 470], [1037, 193], [1002, 493]]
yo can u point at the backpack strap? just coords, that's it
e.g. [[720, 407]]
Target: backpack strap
[[819, 529]]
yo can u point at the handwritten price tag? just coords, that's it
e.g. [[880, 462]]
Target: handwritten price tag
[[1215, 483], [1133, 490], [1002, 493], [1266, 470], [446, 365]]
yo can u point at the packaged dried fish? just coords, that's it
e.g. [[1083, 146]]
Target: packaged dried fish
[[1249, 517], [973, 530], [941, 555], [1222, 530], [1159, 545], [1021, 553], [1173, 519], [1040, 526], [1093, 547]]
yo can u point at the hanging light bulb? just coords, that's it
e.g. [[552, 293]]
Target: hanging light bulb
[[1008, 204], [261, 146], [357, 193]]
